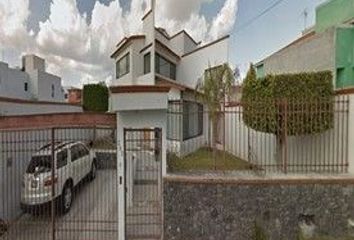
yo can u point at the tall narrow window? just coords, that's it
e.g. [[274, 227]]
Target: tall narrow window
[[147, 63], [53, 91], [123, 66], [26, 87]]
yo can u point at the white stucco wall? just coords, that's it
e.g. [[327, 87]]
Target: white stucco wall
[[192, 66], [43, 83], [327, 149], [12, 83], [13, 109]]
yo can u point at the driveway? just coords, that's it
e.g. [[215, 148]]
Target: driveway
[[93, 215]]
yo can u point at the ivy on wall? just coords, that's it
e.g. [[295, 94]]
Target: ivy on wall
[[95, 97], [299, 104]]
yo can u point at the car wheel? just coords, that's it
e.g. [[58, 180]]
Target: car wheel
[[93, 171], [66, 198]]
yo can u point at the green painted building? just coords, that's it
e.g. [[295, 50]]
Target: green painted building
[[329, 45]]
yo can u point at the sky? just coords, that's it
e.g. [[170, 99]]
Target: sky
[[77, 37]]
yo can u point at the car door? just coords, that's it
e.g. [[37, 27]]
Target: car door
[[75, 163], [63, 170], [84, 160]]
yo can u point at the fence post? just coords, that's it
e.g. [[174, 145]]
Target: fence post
[[285, 135], [53, 182]]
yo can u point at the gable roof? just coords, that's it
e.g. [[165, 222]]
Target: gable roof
[[124, 42]]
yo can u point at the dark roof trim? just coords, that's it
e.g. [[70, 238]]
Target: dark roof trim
[[124, 43], [187, 34], [146, 47], [23, 101], [139, 89], [344, 91], [167, 48], [146, 15], [207, 45], [175, 35]]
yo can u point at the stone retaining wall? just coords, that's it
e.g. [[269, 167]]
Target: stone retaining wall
[[281, 208]]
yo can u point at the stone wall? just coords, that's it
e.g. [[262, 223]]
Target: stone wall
[[230, 209]]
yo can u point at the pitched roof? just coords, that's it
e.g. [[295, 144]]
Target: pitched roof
[[124, 42]]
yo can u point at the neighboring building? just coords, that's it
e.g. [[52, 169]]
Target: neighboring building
[[31, 90], [176, 61], [329, 45], [32, 82], [73, 95]]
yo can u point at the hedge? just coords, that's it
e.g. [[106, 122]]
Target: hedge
[[95, 97], [303, 103]]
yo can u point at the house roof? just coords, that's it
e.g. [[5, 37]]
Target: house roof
[[124, 42], [23, 101], [300, 40], [206, 45], [167, 48], [139, 89], [175, 35]]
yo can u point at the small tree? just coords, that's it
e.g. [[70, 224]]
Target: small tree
[[213, 89], [95, 97]]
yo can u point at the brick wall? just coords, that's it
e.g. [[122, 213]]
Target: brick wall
[[57, 120]]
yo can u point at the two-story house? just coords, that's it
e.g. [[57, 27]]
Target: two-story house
[[178, 61]]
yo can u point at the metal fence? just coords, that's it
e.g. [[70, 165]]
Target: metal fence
[[58, 183], [298, 137]]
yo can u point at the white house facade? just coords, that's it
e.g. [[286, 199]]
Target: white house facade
[[32, 82], [177, 61], [31, 90]]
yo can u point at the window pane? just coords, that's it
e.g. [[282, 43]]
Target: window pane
[[192, 120], [123, 66], [147, 63], [62, 158], [165, 67]]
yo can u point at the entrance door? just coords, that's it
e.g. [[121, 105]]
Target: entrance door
[[143, 178]]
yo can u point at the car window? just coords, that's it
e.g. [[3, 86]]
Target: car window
[[40, 164], [83, 151], [75, 153], [62, 158]]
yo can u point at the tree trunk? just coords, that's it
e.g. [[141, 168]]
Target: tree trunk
[[213, 140]]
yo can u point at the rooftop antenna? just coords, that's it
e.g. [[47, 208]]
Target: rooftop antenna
[[305, 14]]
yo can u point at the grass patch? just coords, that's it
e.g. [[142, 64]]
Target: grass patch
[[202, 159]]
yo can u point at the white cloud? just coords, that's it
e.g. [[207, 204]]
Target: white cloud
[[79, 51]]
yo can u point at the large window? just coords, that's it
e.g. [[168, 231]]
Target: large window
[[123, 66], [147, 63], [165, 67], [184, 119], [192, 120]]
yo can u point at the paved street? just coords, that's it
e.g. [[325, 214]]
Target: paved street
[[93, 215]]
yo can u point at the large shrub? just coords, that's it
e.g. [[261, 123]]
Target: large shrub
[[95, 97], [300, 103]]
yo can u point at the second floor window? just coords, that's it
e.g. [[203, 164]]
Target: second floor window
[[165, 67], [147, 63], [53, 91], [123, 66], [26, 87]]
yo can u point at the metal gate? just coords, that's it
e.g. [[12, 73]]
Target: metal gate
[[143, 183], [58, 183]]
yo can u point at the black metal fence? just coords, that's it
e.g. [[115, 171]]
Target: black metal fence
[[58, 183], [301, 137]]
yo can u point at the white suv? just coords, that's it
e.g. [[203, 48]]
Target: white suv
[[73, 162]]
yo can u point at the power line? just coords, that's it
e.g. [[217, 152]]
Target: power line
[[265, 11]]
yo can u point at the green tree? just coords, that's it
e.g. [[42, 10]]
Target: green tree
[[213, 89], [95, 97]]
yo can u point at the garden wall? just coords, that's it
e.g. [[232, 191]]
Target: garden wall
[[202, 208], [324, 152]]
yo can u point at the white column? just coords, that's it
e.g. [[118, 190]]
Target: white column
[[351, 134], [121, 180]]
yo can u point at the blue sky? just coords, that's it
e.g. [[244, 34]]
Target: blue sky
[[61, 30]]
